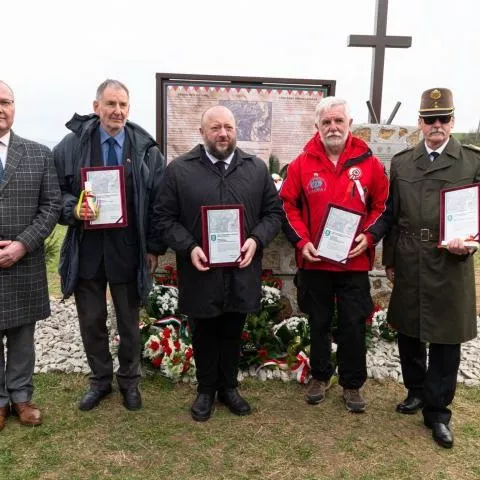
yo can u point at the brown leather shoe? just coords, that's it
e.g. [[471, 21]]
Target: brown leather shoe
[[28, 413], [4, 412]]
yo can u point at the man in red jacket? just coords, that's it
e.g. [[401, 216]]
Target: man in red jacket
[[335, 168]]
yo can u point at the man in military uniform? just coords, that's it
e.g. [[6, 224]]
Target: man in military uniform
[[433, 297]]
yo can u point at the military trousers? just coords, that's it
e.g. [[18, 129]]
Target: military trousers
[[436, 382]]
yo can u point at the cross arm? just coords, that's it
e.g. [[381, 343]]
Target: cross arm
[[375, 41]]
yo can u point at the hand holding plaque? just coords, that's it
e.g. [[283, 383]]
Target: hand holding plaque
[[337, 233], [460, 215], [222, 234], [108, 186]]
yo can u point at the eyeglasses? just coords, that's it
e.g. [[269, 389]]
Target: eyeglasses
[[6, 103], [441, 118]]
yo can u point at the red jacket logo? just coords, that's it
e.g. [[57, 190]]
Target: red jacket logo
[[316, 184]]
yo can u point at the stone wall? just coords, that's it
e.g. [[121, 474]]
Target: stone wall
[[387, 140], [279, 257]]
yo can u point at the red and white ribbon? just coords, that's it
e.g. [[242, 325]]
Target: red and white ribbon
[[162, 322], [281, 364], [302, 367], [360, 190]]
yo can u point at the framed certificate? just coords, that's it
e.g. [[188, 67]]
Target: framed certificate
[[222, 234], [108, 185], [459, 214], [337, 233]]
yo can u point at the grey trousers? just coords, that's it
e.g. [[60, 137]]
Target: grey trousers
[[16, 368], [90, 298]]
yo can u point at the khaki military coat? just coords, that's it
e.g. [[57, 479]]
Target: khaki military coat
[[433, 296]]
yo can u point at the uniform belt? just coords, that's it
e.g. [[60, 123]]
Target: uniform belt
[[422, 234]]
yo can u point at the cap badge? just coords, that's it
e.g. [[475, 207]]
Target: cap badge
[[435, 94]]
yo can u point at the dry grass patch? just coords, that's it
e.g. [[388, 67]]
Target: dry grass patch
[[284, 438]]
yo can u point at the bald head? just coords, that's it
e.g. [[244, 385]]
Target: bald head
[[218, 130], [213, 112], [7, 87]]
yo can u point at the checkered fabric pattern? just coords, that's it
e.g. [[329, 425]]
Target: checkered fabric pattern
[[29, 209]]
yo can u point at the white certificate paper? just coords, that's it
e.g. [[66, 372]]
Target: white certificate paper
[[224, 238], [461, 214], [338, 234], [108, 187]]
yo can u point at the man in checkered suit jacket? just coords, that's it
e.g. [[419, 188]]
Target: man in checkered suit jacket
[[29, 209]]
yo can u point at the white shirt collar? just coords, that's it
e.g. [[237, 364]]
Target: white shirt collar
[[4, 141], [439, 149], [215, 159]]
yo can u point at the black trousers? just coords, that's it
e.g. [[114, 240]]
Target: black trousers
[[351, 290], [216, 349], [90, 298], [435, 383]]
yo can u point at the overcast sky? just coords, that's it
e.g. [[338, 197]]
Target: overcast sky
[[55, 53]]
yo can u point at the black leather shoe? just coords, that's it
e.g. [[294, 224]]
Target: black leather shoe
[[441, 433], [92, 398], [232, 399], [202, 408], [132, 400], [410, 405]]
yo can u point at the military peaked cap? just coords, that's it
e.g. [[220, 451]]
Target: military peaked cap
[[436, 101]]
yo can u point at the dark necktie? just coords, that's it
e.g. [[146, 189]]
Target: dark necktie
[[433, 156], [1, 169], [112, 154], [221, 165]]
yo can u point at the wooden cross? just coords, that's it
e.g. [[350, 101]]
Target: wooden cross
[[379, 42]]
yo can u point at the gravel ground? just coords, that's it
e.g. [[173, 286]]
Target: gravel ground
[[59, 348]]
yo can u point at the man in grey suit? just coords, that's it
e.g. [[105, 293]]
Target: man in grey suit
[[29, 209]]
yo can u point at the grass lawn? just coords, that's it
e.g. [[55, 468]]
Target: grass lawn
[[52, 265], [284, 438]]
